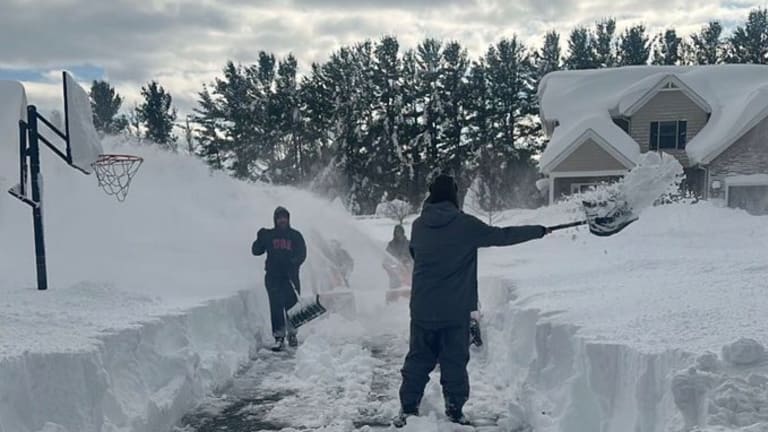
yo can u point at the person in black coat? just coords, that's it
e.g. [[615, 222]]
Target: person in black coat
[[399, 247], [286, 251], [444, 244]]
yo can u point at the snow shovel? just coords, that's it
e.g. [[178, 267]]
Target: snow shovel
[[605, 218], [305, 310]]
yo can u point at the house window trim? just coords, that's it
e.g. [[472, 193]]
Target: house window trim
[[658, 135], [559, 174], [576, 187], [669, 85]]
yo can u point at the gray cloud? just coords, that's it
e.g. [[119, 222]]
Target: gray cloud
[[184, 43]]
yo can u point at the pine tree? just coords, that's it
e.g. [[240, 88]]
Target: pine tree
[[387, 118], [413, 183], [548, 58], [511, 78], [455, 152], [158, 115], [749, 43], [706, 47], [634, 47], [581, 53], [316, 106], [604, 43], [243, 106], [668, 50], [105, 104], [288, 164], [428, 55]]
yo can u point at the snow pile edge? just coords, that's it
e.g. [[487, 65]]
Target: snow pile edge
[[139, 379], [561, 381]]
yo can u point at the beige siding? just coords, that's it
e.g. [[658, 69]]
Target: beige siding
[[748, 155], [562, 185], [589, 157], [667, 106]]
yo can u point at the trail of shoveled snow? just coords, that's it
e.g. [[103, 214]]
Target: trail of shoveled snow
[[342, 377]]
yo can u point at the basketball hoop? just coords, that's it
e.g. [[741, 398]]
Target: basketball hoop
[[115, 172]]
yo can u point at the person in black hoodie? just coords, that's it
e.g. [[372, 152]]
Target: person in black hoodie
[[399, 247], [286, 251], [444, 244]]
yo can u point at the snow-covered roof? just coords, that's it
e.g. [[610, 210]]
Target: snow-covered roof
[[736, 95], [601, 129]]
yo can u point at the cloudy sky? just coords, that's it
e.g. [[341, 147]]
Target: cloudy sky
[[184, 43]]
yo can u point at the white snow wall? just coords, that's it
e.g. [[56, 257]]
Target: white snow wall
[[142, 379], [558, 381]]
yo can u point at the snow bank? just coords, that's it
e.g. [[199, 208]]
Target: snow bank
[[147, 306]]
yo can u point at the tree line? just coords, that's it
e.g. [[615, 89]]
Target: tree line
[[375, 122]]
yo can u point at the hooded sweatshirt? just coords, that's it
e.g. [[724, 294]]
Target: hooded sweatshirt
[[285, 249], [444, 243]]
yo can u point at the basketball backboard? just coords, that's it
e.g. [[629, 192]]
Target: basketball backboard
[[13, 108], [84, 145]]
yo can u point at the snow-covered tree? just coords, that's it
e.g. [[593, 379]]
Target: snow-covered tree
[[395, 209]]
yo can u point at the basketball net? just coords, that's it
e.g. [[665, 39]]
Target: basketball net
[[115, 173]]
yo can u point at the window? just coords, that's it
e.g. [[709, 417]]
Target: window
[[581, 187], [668, 135], [669, 86]]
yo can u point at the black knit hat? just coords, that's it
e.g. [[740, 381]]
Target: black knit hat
[[281, 211], [443, 188]]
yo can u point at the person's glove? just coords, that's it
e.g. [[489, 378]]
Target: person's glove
[[544, 230]]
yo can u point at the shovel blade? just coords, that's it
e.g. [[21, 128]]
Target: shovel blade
[[608, 217], [305, 311]]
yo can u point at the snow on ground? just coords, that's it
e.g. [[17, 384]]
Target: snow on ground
[[156, 302], [634, 331]]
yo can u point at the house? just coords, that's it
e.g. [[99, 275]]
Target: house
[[713, 119]]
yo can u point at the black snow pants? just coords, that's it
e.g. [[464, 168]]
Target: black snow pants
[[447, 344], [282, 297]]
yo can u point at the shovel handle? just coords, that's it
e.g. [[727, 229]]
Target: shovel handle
[[567, 225]]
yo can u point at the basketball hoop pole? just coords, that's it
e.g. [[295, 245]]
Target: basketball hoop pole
[[37, 211], [29, 147]]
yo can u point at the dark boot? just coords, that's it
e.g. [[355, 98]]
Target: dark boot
[[293, 341], [455, 415], [402, 418], [279, 344]]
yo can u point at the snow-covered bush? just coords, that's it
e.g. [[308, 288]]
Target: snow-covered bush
[[395, 209]]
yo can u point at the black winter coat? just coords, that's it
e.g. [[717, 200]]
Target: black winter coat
[[444, 243]]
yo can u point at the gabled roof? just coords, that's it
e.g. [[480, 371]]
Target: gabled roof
[[640, 94], [601, 130], [735, 95]]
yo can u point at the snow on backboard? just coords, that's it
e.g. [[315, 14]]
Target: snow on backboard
[[84, 144]]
